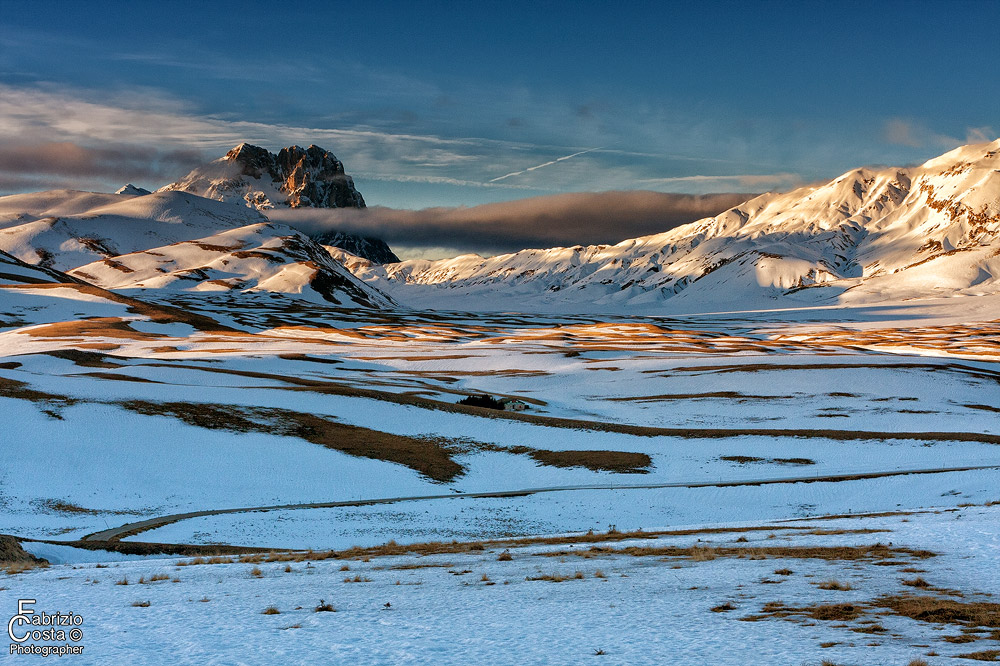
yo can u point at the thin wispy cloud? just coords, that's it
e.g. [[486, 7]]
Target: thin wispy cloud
[[540, 166], [737, 180]]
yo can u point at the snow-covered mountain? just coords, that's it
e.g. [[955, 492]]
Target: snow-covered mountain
[[870, 235], [167, 240], [257, 257], [63, 229], [295, 177]]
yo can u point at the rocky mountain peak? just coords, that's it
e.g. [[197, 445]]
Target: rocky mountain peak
[[294, 177]]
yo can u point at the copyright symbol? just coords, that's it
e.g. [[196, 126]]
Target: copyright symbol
[[75, 635]]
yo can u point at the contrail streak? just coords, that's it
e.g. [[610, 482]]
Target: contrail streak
[[539, 166]]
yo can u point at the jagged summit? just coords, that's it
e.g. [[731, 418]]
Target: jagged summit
[[294, 177]]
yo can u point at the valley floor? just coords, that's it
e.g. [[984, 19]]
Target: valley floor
[[286, 425]]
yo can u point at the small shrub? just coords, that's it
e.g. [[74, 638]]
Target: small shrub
[[345, 568], [505, 556], [599, 574], [271, 610], [916, 582]]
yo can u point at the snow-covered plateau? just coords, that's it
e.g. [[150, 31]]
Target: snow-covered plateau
[[770, 437]]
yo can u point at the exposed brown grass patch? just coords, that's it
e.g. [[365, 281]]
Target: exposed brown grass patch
[[824, 612], [982, 655], [427, 456], [943, 611], [557, 578], [834, 585], [916, 582]]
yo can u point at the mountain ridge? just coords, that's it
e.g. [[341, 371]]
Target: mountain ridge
[[867, 235]]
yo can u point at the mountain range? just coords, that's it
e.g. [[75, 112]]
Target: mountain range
[[872, 235]]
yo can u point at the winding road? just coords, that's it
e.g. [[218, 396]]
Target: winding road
[[131, 529]]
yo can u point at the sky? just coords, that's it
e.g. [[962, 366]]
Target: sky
[[450, 104]]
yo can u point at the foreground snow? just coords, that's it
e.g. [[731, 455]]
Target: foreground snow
[[468, 607]]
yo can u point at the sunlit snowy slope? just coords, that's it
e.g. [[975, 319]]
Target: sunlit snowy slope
[[869, 235]]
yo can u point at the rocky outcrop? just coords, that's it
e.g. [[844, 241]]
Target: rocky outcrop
[[373, 249], [295, 177]]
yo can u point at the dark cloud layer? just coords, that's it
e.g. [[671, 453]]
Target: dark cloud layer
[[117, 162], [558, 220]]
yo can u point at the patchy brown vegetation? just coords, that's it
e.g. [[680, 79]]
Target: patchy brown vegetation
[[943, 611], [879, 552], [14, 559], [427, 456], [745, 460], [557, 578], [623, 462], [12, 388], [982, 655]]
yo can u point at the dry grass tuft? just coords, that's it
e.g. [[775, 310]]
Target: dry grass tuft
[[723, 608], [324, 607], [271, 610], [123, 581], [702, 554], [916, 582], [834, 585], [140, 604], [783, 572], [358, 579], [505, 556]]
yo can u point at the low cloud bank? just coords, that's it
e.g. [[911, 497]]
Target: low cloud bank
[[64, 161], [539, 222]]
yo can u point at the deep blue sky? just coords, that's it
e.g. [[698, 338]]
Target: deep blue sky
[[427, 103]]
